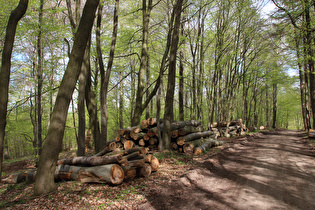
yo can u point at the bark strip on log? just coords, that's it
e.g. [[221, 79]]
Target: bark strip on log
[[92, 160], [183, 139], [189, 129]]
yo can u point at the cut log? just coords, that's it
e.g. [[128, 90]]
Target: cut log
[[137, 136], [153, 141], [181, 124], [311, 133], [122, 132], [183, 139], [210, 143], [30, 176], [142, 150], [154, 163], [145, 170], [236, 122], [132, 155], [137, 163], [110, 174], [146, 137], [129, 145], [153, 121], [15, 178], [144, 124], [174, 133], [152, 132], [141, 142], [110, 146], [174, 146], [188, 148], [189, 129], [91, 160], [130, 172]]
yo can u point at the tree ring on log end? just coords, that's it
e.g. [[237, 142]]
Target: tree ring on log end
[[117, 174]]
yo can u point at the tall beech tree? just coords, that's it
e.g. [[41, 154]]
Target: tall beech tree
[[105, 77], [299, 14], [169, 100], [14, 18], [44, 182], [139, 107]]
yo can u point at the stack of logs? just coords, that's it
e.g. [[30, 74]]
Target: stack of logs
[[187, 136], [229, 129], [111, 168]]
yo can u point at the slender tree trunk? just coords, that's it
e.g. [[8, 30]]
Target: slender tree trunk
[[147, 109], [91, 104], [267, 106], [274, 109], [44, 182], [39, 77], [85, 69], [302, 85], [105, 81], [169, 101], [181, 88], [146, 10], [14, 18], [121, 102], [307, 86]]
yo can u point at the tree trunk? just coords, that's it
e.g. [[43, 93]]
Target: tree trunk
[[85, 68], [169, 101], [105, 78], [14, 18], [44, 182], [39, 78], [146, 10], [274, 109], [92, 110]]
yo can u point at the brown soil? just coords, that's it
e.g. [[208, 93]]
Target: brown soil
[[273, 170]]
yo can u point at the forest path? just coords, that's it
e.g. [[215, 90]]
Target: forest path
[[274, 170]]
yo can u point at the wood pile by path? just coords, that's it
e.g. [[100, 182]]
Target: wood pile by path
[[186, 136], [111, 168], [127, 156]]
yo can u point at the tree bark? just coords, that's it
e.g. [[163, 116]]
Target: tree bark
[[183, 139], [110, 174], [169, 101], [14, 18], [146, 10], [39, 78], [274, 109], [105, 78], [44, 182]]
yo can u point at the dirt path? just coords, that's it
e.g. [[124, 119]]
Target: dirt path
[[271, 171]]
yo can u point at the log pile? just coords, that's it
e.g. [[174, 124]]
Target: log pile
[[186, 136], [229, 129], [127, 156], [311, 133], [110, 168]]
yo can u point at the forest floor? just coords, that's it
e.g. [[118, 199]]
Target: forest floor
[[266, 170]]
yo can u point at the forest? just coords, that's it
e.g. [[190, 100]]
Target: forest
[[93, 67]]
